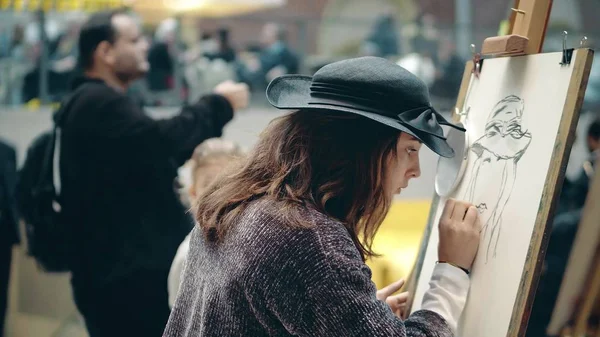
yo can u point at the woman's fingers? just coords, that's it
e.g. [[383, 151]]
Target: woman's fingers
[[398, 303], [397, 300], [402, 298], [384, 293], [448, 209], [460, 210], [471, 216], [401, 310]]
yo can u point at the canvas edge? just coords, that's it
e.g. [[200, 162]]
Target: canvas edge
[[413, 279], [556, 173]]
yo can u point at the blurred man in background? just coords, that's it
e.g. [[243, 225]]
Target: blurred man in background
[[449, 70], [276, 58], [118, 168], [575, 191], [223, 51], [383, 39], [160, 57]]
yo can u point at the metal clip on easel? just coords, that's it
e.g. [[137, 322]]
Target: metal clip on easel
[[567, 54], [476, 61]]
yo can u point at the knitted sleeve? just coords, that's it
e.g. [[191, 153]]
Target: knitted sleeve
[[314, 283]]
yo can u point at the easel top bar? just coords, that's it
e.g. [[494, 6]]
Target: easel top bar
[[528, 23]]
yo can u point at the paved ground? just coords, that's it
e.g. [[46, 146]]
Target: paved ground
[[20, 126]]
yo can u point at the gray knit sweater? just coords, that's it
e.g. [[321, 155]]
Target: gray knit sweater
[[267, 279]]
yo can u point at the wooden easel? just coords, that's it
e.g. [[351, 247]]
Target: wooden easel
[[528, 23]]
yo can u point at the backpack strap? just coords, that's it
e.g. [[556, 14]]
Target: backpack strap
[[56, 162], [59, 119]]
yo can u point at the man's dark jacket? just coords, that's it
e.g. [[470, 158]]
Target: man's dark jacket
[[118, 168]]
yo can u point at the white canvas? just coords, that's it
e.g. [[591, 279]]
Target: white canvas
[[520, 101]]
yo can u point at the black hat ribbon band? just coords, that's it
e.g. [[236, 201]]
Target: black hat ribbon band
[[426, 119], [422, 119]]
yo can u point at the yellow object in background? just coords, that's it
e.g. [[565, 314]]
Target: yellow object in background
[[33, 104], [60, 5], [504, 27], [398, 241]]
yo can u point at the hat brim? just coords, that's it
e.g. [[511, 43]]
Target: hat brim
[[293, 92]]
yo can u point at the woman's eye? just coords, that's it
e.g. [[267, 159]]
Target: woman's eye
[[411, 150]]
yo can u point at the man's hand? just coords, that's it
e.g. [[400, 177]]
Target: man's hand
[[237, 94], [396, 302]]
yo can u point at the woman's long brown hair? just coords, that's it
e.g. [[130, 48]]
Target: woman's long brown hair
[[331, 161]]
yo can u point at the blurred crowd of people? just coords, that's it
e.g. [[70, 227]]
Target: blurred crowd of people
[[217, 59], [21, 51], [203, 64], [431, 54], [427, 52]]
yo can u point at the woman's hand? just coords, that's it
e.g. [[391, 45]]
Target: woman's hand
[[396, 302], [459, 233]]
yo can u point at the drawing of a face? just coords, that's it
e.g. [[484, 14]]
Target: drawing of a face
[[497, 153], [504, 136]]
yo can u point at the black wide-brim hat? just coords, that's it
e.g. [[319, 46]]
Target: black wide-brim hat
[[372, 87]]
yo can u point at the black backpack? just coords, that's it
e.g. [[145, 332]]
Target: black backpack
[[49, 238]]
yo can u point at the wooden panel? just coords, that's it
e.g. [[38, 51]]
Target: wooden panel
[[582, 274], [591, 290]]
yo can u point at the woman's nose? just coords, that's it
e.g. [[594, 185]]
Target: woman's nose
[[416, 172]]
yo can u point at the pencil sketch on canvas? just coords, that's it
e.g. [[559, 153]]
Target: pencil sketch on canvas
[[519, 128], [493, 175]]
